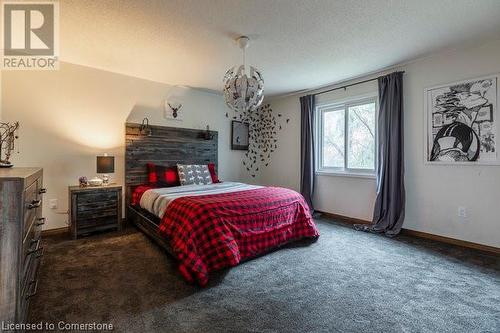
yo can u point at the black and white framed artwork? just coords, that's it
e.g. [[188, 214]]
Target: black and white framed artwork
[[239, 135], [461, 122]]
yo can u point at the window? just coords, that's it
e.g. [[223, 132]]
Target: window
[[346, 137]]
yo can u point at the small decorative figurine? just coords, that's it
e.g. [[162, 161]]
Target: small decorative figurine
[[83, 181], [8, 133]]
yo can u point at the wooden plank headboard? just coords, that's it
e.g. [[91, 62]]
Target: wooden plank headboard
[[166, 146]]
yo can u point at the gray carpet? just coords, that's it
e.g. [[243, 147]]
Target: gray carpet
[[348, 281]]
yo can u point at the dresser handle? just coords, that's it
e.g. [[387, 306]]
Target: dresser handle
[[33, 293], [40, 252], [41, 221], [37, 247], [42, 190], [34, 204]]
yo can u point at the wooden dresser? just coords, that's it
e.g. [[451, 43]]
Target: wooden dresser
[[20, 240], [94, 208]]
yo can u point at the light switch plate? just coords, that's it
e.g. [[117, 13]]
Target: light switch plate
[[53, 203], [462, 212]]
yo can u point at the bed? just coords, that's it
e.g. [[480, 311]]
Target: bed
[[206, 227]]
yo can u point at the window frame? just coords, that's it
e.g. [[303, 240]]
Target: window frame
[[344, 105]]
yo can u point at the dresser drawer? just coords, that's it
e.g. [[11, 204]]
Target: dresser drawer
[[87, 225], [32, 204], [93, 197], [31, 246], [95, 206], [96, 214], [85, 208], [29, 285], [31, 268]]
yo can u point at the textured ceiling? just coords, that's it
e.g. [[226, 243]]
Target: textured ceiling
[[297, 44]]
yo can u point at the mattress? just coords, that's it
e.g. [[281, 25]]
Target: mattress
[[157, 200]]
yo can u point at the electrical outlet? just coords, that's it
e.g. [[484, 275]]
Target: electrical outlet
[[53, 203], [462, 212]]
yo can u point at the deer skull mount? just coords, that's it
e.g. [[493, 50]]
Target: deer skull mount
[[175, 107]]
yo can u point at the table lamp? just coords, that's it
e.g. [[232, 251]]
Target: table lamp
[[105, 165]]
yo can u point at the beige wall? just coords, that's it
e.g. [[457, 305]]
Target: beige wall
[[434, 193], [1, 96], [69, 116]]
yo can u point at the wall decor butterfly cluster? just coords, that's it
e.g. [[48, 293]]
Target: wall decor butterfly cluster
[[263, 142]]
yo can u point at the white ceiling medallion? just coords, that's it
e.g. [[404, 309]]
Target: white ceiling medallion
[[243, 85]]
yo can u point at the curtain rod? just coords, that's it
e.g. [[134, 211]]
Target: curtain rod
[[352, 84]]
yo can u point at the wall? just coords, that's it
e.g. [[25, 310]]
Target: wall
[[434, 193], [0, 95], [69, 116]]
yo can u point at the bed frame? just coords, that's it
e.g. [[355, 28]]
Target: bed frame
[[165, 146]]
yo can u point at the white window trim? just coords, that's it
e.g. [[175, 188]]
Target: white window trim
[[343, 104]]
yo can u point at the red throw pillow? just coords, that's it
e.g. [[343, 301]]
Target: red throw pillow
[[163, 176], [213, 174]]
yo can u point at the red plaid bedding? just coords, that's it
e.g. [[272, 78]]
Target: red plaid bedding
[[138, 192], [213, 231]]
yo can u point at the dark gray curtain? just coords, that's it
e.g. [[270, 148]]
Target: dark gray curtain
[[389, 211], [307, 148]]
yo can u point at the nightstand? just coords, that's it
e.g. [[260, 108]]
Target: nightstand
[[94, 208]]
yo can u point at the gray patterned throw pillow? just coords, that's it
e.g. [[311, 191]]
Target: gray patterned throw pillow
[[194, 174]]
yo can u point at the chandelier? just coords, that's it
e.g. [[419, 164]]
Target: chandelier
[[243, 85]]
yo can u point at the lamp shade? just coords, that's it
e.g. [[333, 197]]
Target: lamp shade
[[105, 164]]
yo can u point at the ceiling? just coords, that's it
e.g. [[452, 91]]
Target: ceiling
[[296, 44]]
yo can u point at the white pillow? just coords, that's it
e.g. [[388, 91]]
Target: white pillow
[[194, 174]]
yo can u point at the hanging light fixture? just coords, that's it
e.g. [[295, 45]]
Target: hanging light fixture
[[243, 85]]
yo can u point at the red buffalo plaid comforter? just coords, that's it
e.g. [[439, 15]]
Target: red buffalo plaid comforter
[[213, 231]]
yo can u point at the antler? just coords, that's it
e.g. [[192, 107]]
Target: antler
[[173, 108], [7, 138]]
